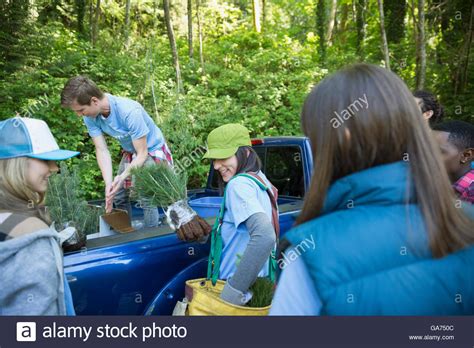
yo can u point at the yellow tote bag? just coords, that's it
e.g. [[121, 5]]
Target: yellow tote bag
[[204, 299]]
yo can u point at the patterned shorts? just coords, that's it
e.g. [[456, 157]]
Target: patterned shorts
[[158, 156]]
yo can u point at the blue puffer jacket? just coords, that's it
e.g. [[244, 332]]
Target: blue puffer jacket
[[372, 255]]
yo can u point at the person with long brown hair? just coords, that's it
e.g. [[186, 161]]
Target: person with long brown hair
[[31, 259], [389, 236]]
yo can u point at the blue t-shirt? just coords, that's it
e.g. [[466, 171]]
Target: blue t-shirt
[[295, 293], [127, 121], [243, 199]]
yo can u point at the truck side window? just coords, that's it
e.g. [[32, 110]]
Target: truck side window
[[284, 168]]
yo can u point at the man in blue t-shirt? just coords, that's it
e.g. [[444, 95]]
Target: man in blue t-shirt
[[127, 121]]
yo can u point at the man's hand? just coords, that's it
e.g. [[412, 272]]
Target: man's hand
[[111, 190], [117, 184], [194, 230], [109, 198]]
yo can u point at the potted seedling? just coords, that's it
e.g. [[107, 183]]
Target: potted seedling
[[262, 293], [68, 208], [161, 186]]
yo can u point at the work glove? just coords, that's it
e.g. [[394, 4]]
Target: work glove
[[195, 230]]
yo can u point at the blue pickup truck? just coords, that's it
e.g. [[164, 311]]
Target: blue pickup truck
[[143, 272]]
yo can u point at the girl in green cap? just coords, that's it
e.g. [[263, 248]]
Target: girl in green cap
[[249, 212]]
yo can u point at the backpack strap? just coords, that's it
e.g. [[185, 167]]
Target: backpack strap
[[215, 252], [272, 194], [9, 224], [213, 265]]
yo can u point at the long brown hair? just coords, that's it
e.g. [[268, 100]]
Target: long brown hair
[[390, 129]]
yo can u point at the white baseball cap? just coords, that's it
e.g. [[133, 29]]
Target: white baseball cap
[[29, 137]]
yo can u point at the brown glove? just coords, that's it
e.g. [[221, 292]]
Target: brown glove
[[194, 230]]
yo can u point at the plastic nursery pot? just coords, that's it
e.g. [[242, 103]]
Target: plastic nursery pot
[[75, 242]]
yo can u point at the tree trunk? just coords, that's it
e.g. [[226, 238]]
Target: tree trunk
[[95, 27], [332, 20], [342, 28], [415, 24], [416, 39], [201, 54], [127, 24], [174, 51], [354, 10], [91, 18], [395, 13], [264, 14], [321, 28], [421, 48], [190, 29], [361, 6], [469, 43], [81, 12], [256, 15], [383, 35]]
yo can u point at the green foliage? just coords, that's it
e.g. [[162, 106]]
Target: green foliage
[[67, 206], [13, 16], [259, 80], [159, 184], [263, 290], [221, 20]]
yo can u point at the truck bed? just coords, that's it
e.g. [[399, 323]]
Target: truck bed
[[120, 274]]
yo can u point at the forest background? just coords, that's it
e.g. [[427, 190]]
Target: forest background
[[198, 64]]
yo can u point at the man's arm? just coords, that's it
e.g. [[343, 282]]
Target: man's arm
[[105, 164], [141, 147]]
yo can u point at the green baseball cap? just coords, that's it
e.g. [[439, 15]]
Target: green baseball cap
[[225, 140]]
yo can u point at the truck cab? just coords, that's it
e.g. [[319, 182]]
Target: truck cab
[[143, 272]]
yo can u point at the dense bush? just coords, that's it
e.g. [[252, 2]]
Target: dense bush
[[257, 79], [262, 84]]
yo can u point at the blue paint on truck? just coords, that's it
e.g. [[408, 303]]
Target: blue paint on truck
[[143, 272]]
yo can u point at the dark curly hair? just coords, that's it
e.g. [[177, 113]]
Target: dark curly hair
[[461, 134], [430, 102]]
